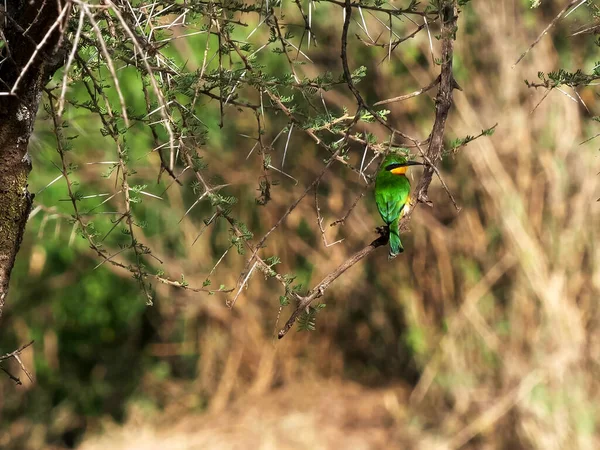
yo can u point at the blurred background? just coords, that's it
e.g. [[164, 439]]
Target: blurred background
[[484, 334]]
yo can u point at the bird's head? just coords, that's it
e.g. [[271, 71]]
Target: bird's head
[[398, 165]]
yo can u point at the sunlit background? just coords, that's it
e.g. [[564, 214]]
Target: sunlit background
[[484, 334]]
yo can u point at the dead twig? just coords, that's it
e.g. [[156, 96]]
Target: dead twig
[[345, 217], [437, 172], [550, 25], [320, 289], [449, 16], [15, 354], [401, 98], [320, 220]]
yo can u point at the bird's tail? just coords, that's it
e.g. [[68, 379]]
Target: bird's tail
[[395, 243]]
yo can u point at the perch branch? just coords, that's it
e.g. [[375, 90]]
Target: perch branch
[[443, 102], [319, 290]]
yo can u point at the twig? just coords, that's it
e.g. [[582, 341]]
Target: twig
[[436, 146], [541, 100], [109, 64], [15, 354], [63, 90], [38, 47], [401, 98], [437, 172], [443, 103], [153, 82], [136, 270], [232, 303], [345, 217], [395, 12], [550, 25], [483, 133], [320, 220], [350, 82], [17, 380], [319, 290]]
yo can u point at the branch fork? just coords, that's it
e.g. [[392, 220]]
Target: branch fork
[[443, 103]]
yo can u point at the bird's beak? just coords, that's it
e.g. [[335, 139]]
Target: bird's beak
[[412, 163]]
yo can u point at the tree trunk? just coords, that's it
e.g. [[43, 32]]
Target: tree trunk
[[30, 47]]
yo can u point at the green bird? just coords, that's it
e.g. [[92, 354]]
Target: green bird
[[391, 194]]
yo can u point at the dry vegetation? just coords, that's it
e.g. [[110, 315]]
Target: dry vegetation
[[484, 334], [501, 298]]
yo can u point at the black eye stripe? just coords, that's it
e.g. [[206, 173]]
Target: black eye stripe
[[404, 164], [394, 166]]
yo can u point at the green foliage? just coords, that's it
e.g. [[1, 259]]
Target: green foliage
[[562, 77], [578, 78], [93, 326], [308, 319], [457, 143], [229, 113]]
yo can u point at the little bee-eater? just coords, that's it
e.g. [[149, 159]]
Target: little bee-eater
[[391, 194]]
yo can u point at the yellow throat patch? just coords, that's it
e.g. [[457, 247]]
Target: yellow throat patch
[[399, 170]]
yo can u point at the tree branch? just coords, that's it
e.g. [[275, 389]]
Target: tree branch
[[443, 103], [36, 28], [550, 25], [401, 98], [16, 356], [319, 290]]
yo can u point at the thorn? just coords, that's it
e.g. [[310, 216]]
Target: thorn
[[423, 198], [455, 85]]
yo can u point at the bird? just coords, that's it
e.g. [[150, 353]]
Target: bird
[[391, 194]]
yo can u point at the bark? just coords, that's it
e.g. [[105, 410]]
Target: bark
[[24, 26]]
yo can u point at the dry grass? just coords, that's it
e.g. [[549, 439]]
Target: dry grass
[[489, 322], [504, 296], [280, 419]]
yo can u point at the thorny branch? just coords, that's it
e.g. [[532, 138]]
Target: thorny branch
[[122, 35], [16, 355], [342, 220], [443, 101], [401, 98], [554, 21], [319, 290]]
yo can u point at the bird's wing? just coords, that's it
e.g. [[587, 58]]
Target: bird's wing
[[390, 201]]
